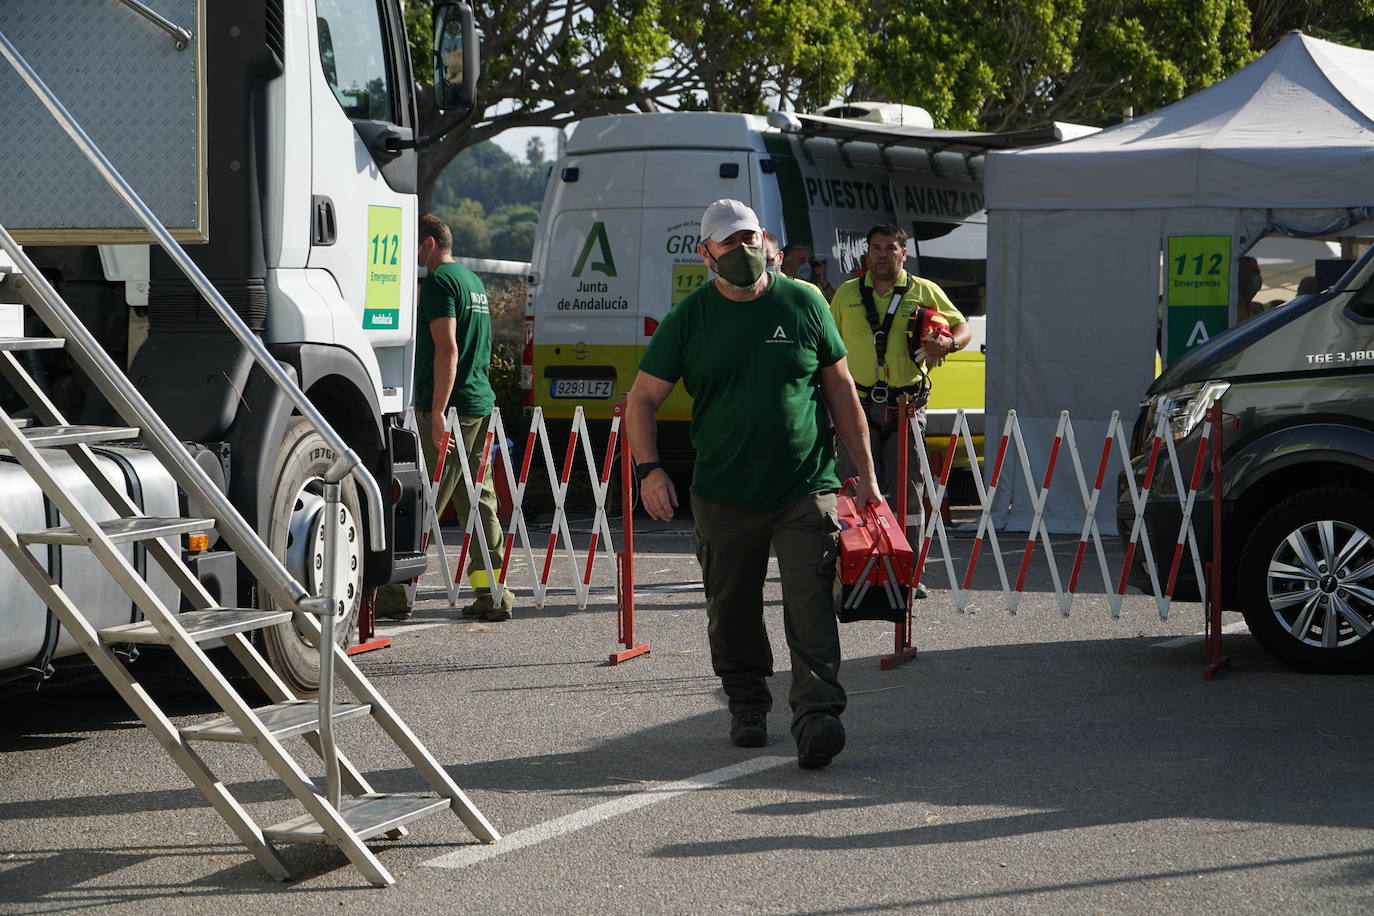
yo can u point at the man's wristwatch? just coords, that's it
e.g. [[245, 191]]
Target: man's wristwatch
[[645, 468]]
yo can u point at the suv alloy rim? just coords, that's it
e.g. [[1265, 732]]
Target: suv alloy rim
[[1320, 583]]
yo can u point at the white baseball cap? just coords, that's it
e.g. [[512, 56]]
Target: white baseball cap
[[725, 217]]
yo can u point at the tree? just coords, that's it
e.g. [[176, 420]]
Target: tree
[[534, 152], [1344, 21], [512, 231], [549, 63], [1000, 64], [487, 174], [467, 221]]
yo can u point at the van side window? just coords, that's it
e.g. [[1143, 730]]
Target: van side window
[[1361, 307], [353, 56]]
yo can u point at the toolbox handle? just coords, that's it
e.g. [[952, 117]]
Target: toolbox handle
[[872, 513]]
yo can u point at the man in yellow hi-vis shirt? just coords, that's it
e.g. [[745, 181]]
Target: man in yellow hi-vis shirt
[[873, 313]]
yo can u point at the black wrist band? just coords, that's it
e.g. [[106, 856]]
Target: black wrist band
[[645, 468]]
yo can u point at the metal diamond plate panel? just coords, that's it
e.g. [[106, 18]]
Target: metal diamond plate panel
[[133, 93]]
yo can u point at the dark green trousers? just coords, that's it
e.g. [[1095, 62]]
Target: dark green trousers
[[732, 545]]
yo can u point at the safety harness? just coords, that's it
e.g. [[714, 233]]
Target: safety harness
[[881, 327]]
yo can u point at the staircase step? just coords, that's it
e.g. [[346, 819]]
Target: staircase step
[[281, 719], [121, 530], [32, 343], [202, 626], [58, 436], [367, 816]]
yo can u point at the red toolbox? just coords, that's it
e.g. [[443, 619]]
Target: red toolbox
[[875, 562]]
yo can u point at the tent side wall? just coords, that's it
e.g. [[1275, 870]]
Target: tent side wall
[[1073, 300]]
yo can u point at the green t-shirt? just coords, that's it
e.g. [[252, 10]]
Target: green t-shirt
[[759, 424], [453, 291]]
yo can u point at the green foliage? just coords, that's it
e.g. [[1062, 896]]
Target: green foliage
[[506, 297], [974, 64], [1348, 22], [550, 63], [748, 55], [491, 202], [997, 64], [487, 174]]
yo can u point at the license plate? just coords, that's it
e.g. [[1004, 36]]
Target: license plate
[[583, 388]]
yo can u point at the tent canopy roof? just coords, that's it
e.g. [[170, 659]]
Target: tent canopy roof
[[1294, 129]]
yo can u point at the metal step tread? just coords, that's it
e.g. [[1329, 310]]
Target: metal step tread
[[57, 436], [201, 626], [32, 343], [121, 530], [281, 719], [367, 816]]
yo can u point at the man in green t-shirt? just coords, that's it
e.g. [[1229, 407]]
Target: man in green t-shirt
[[452, 355], [764, 364]]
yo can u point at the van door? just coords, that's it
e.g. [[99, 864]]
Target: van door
[[586, 326]]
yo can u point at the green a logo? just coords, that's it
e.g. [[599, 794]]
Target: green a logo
[[607, 263]]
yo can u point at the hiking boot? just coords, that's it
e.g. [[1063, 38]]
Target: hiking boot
[[749, 728], [485, 608], [822, 737]]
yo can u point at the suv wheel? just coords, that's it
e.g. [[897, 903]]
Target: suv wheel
[[1306, 581]]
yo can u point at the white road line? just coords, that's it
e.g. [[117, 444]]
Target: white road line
[[1237, 627], [400, 629], [568, 823]]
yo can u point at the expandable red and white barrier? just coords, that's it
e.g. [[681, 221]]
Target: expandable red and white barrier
[[1038, 489], [497, 559], [1011, 445]]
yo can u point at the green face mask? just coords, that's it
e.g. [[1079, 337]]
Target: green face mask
[[741, 266]]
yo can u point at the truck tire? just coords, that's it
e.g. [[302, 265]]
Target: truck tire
[[1306, 580], [295, 535]]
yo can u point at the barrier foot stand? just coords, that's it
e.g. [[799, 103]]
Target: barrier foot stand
[[902, 650], [1211, 632], [625, 612], [888, 662], [368, 639]]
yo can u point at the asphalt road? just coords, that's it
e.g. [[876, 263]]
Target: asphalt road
[[1021, 764]]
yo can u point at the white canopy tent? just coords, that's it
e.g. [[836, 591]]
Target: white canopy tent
[[1076, 231]]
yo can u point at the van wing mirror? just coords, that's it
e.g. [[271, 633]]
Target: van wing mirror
[[455, 57]]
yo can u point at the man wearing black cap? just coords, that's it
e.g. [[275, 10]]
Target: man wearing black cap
[[764, 364]]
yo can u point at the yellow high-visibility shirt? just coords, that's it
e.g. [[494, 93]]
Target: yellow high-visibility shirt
[[850, 317]]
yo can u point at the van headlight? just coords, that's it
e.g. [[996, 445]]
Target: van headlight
[[1186, 407]]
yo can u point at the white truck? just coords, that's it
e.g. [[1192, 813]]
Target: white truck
[[276, 141], [616, 244]]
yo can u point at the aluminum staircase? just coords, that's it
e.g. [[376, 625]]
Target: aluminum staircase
[[327, 816]]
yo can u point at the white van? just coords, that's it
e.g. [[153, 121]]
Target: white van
[[618, 232]]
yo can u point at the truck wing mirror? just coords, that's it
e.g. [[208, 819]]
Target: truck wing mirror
[[455, 73], [455, 57]]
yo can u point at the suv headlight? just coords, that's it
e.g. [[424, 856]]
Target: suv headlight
[[1186, 407]]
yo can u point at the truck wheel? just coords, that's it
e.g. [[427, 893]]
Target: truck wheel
[[296, 535], [1307, 580]]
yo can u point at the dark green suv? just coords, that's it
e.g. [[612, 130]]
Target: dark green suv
[[1297, 388]]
